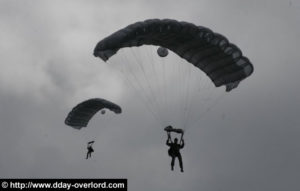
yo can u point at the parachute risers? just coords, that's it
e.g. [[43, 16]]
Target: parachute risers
[[170, 129]]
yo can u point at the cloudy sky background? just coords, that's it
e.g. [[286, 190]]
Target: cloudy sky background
[[248, 141]]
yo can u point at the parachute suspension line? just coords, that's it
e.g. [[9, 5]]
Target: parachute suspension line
[[216, 101], [130, 83], [154, 95], [161, 75], [146, 93], [164, 86], [187, 98], [201, 91], [141, 62], [172, 84], [194, 94], [142, 89], [184, 95], [171, 95], [203, 113], [192, 97], [155, 71], [160, 91], [187, 81], [142, 97], [92, 134], [151, 77], [172, 91], [179, 91]]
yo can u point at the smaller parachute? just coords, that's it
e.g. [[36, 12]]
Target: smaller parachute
[[81, 114], [162, 52]]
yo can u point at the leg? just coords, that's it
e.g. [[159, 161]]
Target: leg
[[172, 163], [180, 162]]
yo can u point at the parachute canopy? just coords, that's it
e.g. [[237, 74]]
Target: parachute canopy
[[211, 52], [82, 113]]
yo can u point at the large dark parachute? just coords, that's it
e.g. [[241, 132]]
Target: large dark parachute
[[211, 52], [83, 112]]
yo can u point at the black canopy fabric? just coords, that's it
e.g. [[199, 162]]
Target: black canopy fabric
[[211, 52], [81, 114]]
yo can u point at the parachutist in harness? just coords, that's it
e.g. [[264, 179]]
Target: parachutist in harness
[[174, 150], [90, 149]]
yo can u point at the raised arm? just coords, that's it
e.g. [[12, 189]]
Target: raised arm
[[182, 143], [169, 140]]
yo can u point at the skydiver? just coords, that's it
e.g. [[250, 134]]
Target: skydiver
[[174, 150], [90, 149]]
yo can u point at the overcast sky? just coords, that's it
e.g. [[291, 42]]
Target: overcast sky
[[249, 141]]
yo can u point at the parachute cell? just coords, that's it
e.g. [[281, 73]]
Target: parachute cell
[[211, 52], [81, 114]]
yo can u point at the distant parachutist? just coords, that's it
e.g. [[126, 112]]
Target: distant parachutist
[[90, 149]]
